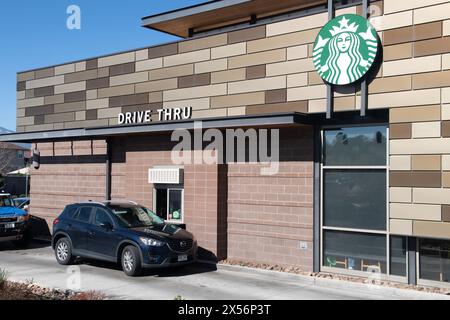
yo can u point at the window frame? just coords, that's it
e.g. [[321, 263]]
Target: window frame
[[94, 220], [176, 187], [386, 233], [425, 282], [75, 216]]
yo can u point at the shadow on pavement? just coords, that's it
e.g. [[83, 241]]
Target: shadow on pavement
[[195, 268], [36, 244]]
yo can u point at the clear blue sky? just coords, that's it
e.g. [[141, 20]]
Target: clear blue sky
[[34, 35]]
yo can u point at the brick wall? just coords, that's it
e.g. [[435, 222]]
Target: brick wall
[[70, 172], [268, 216]]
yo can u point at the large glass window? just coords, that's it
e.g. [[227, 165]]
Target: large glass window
[[355, 146], [169, 204], [355, 251], [350, 200], [434, 260], [354, 191]]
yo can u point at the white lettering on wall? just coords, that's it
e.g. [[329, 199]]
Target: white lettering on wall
[[173, 114]]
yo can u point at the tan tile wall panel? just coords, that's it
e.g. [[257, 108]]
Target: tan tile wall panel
[[297, 80], [196, 104], [68, 68], [211, 66], [405, 98], [228, 76], [186, 58], [238, 100], [158, 85], [203, 43], [307, 93], [438, 230], [171, 72], [420, 113], [289, 67], [433, 13], [400, 163], [257, 59], [196, 92], [420, 146], [446, 61], [400, 194], [426, 130], [129, 78], [116, 91], [401, 227], [446, 162], [283, 41], [149, 64], [409, 66], [415, 211], [431, 80], [398, 52], [305, 23], [392, 21], [229, 51], [426, 162], [71, 87], [391, 6], [257, 85], [117, 59], [391, 84], [45, 82]]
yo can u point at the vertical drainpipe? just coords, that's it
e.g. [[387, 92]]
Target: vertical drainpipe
[[316, 199], [330, 89], [108, 170], [364, 91]]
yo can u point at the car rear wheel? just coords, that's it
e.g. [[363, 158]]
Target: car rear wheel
[[131, 261], [63, 252]]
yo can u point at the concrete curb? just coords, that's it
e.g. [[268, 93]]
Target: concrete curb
[[366, 289]]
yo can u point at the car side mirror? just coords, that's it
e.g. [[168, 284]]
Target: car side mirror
[[26, 208], [107, 226]]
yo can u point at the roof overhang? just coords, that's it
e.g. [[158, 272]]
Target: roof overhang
[[220, 13], [267, 120]]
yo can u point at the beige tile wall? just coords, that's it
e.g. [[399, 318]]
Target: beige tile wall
[[238, 73]]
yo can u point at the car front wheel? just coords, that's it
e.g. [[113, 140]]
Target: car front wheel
[[63, 252], [131, 261]]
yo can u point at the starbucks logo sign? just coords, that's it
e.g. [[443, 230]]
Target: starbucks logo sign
[[345, 49]]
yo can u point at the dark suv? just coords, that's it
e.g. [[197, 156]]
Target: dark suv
[[121, 232]]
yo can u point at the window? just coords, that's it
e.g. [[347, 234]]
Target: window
[[434, 260], [354, 205], [84, 214], [20, 154], [102, 217], [169, 203], [349, 200], [398, 256], [355, 251]]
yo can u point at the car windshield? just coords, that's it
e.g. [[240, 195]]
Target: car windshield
[[19, 202], [135, 217], [6, 202]]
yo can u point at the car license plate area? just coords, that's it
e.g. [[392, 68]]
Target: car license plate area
[[10, 225], [182, 258]]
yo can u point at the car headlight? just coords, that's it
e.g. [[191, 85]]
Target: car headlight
[[151, 242], [23, 218]]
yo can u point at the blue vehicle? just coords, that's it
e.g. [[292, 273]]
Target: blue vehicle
[[14, 223], [120, 232]]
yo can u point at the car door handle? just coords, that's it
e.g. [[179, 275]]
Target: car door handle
[[91, 233]]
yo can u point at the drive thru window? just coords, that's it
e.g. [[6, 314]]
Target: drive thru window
[[168, 203], [354, 203]]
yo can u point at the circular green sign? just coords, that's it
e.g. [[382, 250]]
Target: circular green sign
[[345, 49]]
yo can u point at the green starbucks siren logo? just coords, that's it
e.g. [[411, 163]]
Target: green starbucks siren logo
[[345, 49]]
